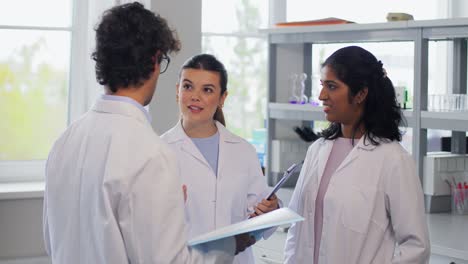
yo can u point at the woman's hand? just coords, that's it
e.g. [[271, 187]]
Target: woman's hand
[[266, 206], [243, 241]]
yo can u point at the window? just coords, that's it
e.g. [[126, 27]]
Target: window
[[35, 80], [230, 32]]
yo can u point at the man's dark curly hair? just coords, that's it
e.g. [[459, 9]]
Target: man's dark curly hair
[[127, 40]]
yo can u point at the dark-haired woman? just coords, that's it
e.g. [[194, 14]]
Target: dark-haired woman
[[220, 170], [358, 189]]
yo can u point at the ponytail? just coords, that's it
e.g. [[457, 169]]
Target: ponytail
[[219, 116]]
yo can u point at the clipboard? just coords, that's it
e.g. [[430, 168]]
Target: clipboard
[[255, 226], [286, 176]]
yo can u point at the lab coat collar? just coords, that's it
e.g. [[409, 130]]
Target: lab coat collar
[[324, 153], [225, 138], [177, 133], [120, 108], [225, 135], [363, 144]]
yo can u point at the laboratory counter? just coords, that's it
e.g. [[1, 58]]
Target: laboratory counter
[[448, 234]]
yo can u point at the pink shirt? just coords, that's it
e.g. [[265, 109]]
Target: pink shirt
[[341, 148]]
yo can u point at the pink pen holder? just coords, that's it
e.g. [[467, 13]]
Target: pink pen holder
[[459, 199]]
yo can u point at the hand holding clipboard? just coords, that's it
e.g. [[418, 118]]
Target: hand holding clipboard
[[286, 176], [259, 233], [270, 196]]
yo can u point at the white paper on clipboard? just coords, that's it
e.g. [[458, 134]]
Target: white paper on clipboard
[[285, 177]]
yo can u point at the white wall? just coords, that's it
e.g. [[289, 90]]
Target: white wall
[[185, 17], [21, 229]]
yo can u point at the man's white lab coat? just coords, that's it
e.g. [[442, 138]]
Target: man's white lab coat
[[219, 200], [113, 195], [374, 201]]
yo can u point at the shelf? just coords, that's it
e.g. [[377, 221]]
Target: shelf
[[296, 112], [310, 113], [288, 44], [437, 29], [343, 33], [457, 121], [440, 29]]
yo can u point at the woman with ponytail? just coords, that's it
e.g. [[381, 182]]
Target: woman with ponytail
[[358, 189], [223, 179]]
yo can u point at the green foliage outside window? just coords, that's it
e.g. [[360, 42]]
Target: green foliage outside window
[[246, 61], [33, 104]]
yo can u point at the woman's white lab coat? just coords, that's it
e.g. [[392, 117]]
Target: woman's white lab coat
[[374, 200], [216, 201], [113, 195]]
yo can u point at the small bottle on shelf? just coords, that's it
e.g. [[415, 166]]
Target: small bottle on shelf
[[295, 92], [301, 81]]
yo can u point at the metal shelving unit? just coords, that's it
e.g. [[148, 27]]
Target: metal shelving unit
[[315, 113], [455, 121], [290, 49], [296, 112]]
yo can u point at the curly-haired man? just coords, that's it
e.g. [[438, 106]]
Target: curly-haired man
[[112, 191]]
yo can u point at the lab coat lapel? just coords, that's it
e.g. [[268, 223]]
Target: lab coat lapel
[[362, 145], [323, 154], [187, 145], [225, 139]]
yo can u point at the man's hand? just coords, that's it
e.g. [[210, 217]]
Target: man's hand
[[266, 206], [243, 241]]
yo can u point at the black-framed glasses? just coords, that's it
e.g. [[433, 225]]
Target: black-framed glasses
[[164, 63]]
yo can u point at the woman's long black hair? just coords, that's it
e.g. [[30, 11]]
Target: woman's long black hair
[[359, 69]]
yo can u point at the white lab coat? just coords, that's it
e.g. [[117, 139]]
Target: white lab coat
[[373, 201], [113, 195], [217, 201]]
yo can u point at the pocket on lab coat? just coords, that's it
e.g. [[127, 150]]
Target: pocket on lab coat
[[357, 207]]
